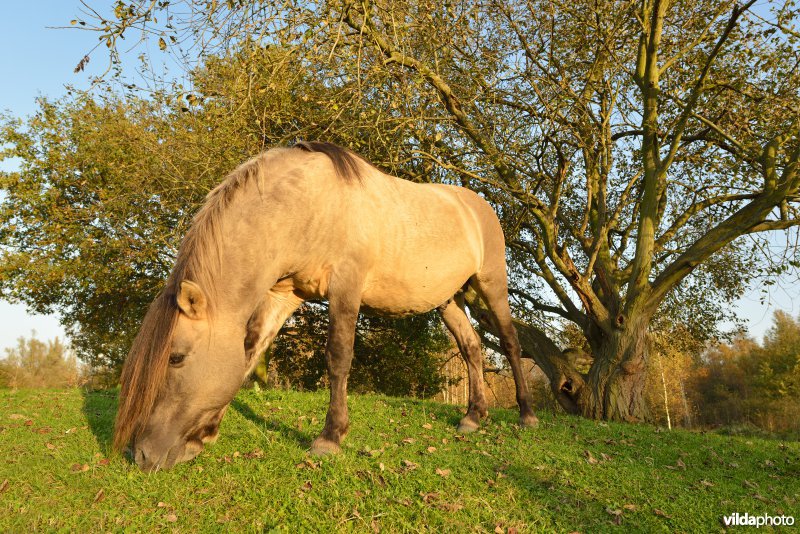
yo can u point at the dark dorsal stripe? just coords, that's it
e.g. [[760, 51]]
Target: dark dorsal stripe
[[344, 161]]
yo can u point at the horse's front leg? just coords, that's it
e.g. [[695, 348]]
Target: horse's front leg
[[343, 314]]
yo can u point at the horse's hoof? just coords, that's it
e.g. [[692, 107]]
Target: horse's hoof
[[466, 426], [323, 447], [528, 421]]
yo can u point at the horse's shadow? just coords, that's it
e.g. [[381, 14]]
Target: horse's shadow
[[301, 438], [100, 408]]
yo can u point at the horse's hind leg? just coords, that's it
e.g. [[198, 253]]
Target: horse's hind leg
[[469, 345], [494, 290], [344, 302]]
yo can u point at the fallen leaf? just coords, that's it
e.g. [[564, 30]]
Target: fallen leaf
[[257, 453], [408, 440], [16, 416], [429, 497], [308, 463], [172, 517], [79, 468], [431, 450], [661, 513], [409, 465], [450, 507], [50, 446], [307, 486], [590, 459], [104, 461], [427, 426], [680, 464], [4, 486], [631, 507], [748, 484], [443, 472], [99, 496], [28, 422], [162, 504], [381, 466]]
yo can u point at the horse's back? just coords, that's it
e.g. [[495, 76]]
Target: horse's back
[[426, 240], [415, 244]]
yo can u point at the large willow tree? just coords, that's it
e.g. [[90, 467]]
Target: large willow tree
[[641, 154]]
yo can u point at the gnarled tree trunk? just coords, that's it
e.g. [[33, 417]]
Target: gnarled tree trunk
[[614, 386], [612, 389]]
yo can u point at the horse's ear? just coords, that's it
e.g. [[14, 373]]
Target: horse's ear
[[192, 300]]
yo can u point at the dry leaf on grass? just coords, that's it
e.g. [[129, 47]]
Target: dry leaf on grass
[[408, 465]]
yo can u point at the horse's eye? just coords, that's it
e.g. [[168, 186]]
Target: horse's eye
[[176, 359]]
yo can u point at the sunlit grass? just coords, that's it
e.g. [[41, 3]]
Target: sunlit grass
[[403, 467]]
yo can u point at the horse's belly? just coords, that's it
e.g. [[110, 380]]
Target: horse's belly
[[399, 294]]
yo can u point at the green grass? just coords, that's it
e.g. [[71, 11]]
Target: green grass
[[403, 468]]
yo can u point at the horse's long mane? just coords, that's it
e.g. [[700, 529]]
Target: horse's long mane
[[199, 260]]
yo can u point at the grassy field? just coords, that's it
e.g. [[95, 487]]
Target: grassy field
[[403, 468]]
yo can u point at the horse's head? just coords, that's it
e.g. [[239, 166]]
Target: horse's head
[[173, 402]]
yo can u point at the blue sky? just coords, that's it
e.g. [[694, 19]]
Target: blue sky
[[40, 61]]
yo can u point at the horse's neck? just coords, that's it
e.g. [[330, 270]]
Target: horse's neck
[[245, 274]]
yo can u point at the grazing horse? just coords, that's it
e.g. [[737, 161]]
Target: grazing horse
[[310, 222]]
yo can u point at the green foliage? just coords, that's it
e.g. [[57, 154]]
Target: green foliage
[[402, 469], [89, 223], [37, 364], [392, 356], [400, 357]]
